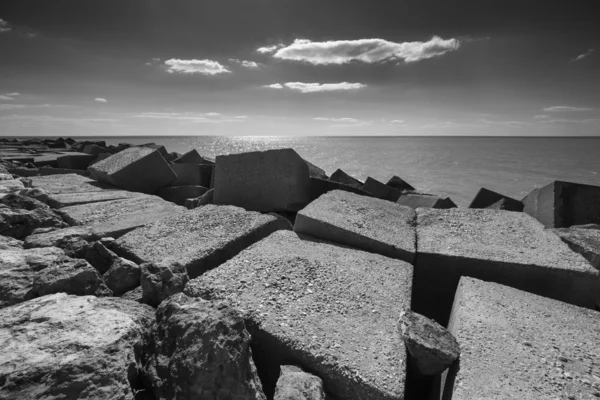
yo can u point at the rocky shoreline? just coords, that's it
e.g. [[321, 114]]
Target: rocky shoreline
[[129, 272]]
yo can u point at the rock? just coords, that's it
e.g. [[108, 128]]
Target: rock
[[420, 200], [205, 199], [331, 309], [19, 223], [342, 177], [400, 184], [562, 204], [430, 345], [8, 243], [10, 186], [15, 200], [366, 223], [101, 258], [380, 190], [499, 246], [199, 239], [295, 384], [134, 295], [75, 199], [161, 149], [75, 161], [69, 183], [201, 350], [69, 347], [29, 273], [122, 276], [58, 237], [93, 149], [584, 241], [516, 345], [192, 174], [159, 281], [179, 194], [272, 180], [486, 198], [316, 172], [319, 187], [191, 157], [35, 193], [75, 247], [138, 169], [43, 171]]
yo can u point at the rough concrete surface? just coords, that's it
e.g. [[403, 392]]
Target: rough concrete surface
[[486, 198], [500, 246], [74, 199], [381, 190], [295, 384], [362, 222], [192, 174], [329, 309], [342, 177], [179, 194], [516, 345], [56, 237], [68, 183], [584, 241], [159, 281], [419, 200], [199, 239]]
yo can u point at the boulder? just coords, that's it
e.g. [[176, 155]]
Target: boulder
[[68, 183], [562, 204], [161, 149], [192, 174], [499, 246], [584, 241], [381, 190], [69, 347], [75, 161], [342, 177], [295, 384], [101, 258], [93, 149], [191, 157], [431, 347], [201, 350], [133, 295], [200, 239], [10, 186], [161, 280], [205, 199], [29, 273], [8, 243], [16, 200], [58, 237], [329, 309], [179, 194], [486, 198], [400, 184], [19, 222], [122, 276], [421, 200], [516, 345], [138, 169], [366, 223]]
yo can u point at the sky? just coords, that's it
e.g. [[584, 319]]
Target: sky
[[288, 67]]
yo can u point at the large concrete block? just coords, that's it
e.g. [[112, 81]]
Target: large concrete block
[[319, 187], [75, 161], [192, 174], [516, 345], [366, 223], [117, 217], [500, 246], [562, 204], [583, 241], [272, 180], [199, 239], [192, 157], [418, 200], [179, 194], [69, 183], [398, 183], [328, 309], [138, 169], [486, 198], [342, 177], [74, 199], [381, 190]]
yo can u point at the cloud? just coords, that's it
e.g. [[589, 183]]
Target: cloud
[[566, 109], [349, 120], [323, 87], [269, 49], [245, 63], [190, 117], [213, 114], [541, 116], [15, 94], [583, 55], [100, 100], [397, 121], [274, 86], [364, 50], [204, 67], [50, 118], [6, 97], [4, 26]]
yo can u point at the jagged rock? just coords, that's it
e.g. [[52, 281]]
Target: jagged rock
[[122, 276], [201, 350], [431, 346], [57, 237], [100, 257], [35, 193], [70, 347], [486, 198], [295, 384], [398, 183], [159, 281], [206, 198], [75, 247], [8, 243], [134, 295], [191, 157], [342, 177], [19, 222], [381, 190], [11, 186], [585, 241], [16, 200]]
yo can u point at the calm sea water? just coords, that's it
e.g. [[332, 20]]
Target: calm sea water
[[449, 166]]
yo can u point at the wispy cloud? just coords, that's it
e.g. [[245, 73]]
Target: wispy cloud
[[203, 67], [14, 94], [269, 49], [323, 87], [566, 109], [50, 118], [397, 121], [571, 121], [190, 117], [583, 55], [4, 27], [274, 86], [541, 116], [100, 100], [6, 97], [364, 50], [244, 63], [4, 107], [347, 120]]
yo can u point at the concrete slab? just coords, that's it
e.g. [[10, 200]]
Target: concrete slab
[[381, 190], [138, 169], [398, 183], [486, 198], [319, 187], [583, 241], [192, 174], [366, 223], [417, 200], [342, 177], [179, 194], [75, 161], [500, 246], [69, 183], [191, 157], [74, 199], [516, 345], [329, 309], [117, 217], [199, 239]]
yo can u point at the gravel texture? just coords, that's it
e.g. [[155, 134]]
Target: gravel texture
[[68, 184], [583, 241], [74, 199], [329, 309], [122, 159], [295, 384]]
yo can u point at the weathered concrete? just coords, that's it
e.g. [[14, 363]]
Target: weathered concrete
[[342, 177], [117, 217], [138, 169], [562, 204], [500, 246], [419, 200], [319, 187], [206, 198], [69, 347], [58, 236], [192, 174], [74, 199], [179, 194], [199, 239], [191, 157], [295, 384], [160, 281], [381, 190], [329, 309], [516, 345], [583, 241], [366, 223], [68, 183], [122, 276], [398, 183], [486, 198], [75, 161]]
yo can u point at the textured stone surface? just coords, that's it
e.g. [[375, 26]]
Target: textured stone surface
[[342, 177], [20, 222], [318, 187], [192, 174], [58, 237], [161, 280], [419, 200], [8, 243], [362, 222], [122, 276], [329, 309], [199, 239], [10, 186], [381, 190], [516, 345], [191, 157], [500, 246], [117, 217], [485, 198], [584, 241], [74, 199], [133, 295], [206, 198], [179, 194], [68, 347], [100, 257], [68, 183], [201, 350], [295, 384]]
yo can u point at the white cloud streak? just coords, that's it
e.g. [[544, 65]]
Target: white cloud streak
[[397, 121], [244, 63], [364, 50], [6, 97], [274, 86], [566, 109], [4, 26], [190, 117], [100, 100], [269, 49], [583, 55], [322, 87], [347, 120], [203, 67]]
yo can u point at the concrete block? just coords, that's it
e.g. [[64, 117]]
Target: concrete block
[[206, 198], [398, 183], [69, 183], [74, 199], [486, 198], [516, 345], [199, 239], [327, 309], [138, 169], [499, 246], [366, 223], [319, 187], [179, 194], [583, 241], [192, 157], [93, 149], [342, 177], [161, 149], [76, 161], [562, 204], [381, 190], [418, 200], [192, 174]]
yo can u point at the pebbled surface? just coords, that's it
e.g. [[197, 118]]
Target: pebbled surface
[[122, 159], [68, 183], [583, 241]]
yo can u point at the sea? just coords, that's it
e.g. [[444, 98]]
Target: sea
[[456, 167]]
